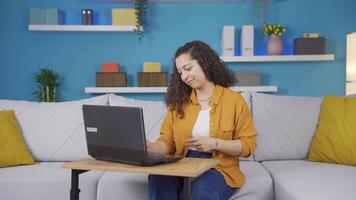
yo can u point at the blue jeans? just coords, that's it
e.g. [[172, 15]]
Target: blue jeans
[[210, 185]]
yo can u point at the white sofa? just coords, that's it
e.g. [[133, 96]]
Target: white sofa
[[285, 126]]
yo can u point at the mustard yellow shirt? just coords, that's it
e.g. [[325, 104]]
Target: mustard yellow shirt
[[230, 119]]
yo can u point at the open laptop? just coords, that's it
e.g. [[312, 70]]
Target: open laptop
[[117, 134]]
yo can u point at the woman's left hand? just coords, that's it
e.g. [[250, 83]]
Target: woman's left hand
[[203, 144]]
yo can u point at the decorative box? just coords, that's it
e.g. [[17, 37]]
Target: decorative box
[[152, 79], [306, 46], [50, 16], [151, 67], [117, 79], [124, 16], [110, 67], [248, 78]]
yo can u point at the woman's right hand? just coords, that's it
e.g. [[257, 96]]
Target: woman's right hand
[[156, 147], [148, 145]]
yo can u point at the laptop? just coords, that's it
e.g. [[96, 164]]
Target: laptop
[[117, 134]]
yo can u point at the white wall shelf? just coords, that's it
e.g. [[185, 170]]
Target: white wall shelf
[[164, 89], [104, 28], [279, 58], [173, 1]]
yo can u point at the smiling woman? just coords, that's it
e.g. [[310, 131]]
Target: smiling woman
[[205, 119], [194, 63]]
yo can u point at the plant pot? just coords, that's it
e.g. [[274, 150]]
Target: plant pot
[[274, 46], [48, 94]]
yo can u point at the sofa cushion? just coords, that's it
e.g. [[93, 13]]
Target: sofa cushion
[[13, 149], [285, 125], [258, 186], [335, 138], [247, 98], [44, 181], [53, 131], [305, 180], [153, 113]]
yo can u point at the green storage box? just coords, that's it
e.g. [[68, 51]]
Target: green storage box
[[51, 16]]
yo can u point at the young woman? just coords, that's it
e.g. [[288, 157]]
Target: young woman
[[206, 120]]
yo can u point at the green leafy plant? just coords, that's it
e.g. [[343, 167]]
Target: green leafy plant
[[276, 29], [47, 81], [141, 9], [259, 11]]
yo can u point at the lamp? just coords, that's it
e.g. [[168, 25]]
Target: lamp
[[351, 63]]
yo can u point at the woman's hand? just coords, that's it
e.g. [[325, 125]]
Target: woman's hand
[[157, 147], [148, 146], [203, 144]]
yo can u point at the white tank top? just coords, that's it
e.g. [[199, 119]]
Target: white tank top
[[201, 127]]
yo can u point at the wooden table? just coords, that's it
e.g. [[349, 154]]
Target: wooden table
[[188, 168]]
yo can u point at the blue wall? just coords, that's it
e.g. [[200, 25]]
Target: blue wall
[[77, 56]]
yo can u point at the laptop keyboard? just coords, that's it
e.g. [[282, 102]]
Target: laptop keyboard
[[157, 157]]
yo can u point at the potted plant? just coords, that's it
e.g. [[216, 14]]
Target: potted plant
[[47, 81], [141, 9], [274, 46]]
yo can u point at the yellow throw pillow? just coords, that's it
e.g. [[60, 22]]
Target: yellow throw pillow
[[335, 137], [13, 150]]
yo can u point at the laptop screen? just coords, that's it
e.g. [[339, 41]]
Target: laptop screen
[[115, 133]]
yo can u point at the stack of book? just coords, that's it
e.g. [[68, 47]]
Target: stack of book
[[152, 75], [110, 76]]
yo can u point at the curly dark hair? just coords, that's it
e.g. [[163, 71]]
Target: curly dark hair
[[178, 93]]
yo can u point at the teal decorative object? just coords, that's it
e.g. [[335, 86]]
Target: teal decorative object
[[50, 16], [37, 16]]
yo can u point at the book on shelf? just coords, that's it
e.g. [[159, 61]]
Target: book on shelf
[[228, 41], [247, 40]]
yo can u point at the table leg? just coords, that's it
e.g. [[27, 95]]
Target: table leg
[[187, 188], [74, 191]]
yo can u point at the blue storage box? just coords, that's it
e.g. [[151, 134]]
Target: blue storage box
[[45, 16]]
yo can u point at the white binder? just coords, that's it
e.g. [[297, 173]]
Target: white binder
[[228, 41], [247, 37], [350, 64]]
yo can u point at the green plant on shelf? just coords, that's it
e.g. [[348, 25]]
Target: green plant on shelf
[[141, 9], [47, 81], [273, 29]]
